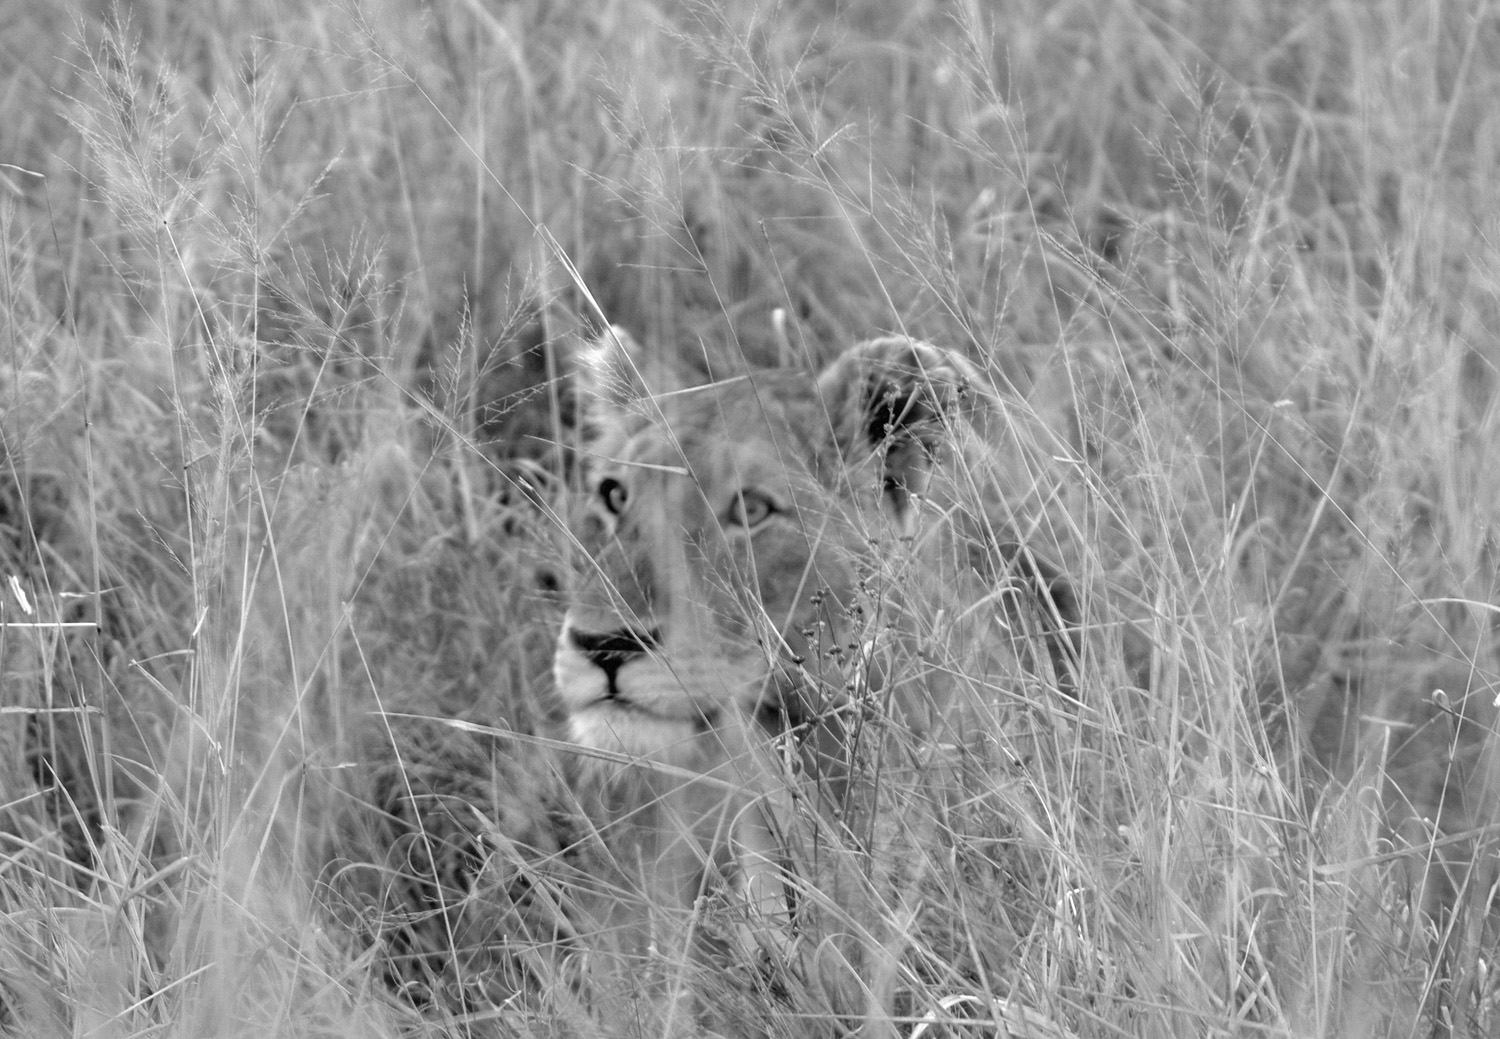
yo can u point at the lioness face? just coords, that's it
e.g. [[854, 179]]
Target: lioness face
[[723, 535], [714, 552]]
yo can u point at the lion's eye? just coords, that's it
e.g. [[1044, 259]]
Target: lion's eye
[[614, 494], [750, 509]]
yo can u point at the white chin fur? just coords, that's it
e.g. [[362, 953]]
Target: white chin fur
[[623, 730]]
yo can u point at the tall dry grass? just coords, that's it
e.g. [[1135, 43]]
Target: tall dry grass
[[281, 438]]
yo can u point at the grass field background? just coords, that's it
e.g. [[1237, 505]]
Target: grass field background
[[279, 427]]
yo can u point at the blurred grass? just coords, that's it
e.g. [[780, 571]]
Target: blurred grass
[[275, 449]]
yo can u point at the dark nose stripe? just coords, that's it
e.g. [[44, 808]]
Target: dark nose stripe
[[611, 650], [624, 641]]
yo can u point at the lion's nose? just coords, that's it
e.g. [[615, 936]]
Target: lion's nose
[[611, 650]]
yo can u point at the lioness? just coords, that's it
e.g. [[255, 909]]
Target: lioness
[[749, 552]]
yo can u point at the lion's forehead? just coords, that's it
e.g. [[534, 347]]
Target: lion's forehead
[[744, 429]]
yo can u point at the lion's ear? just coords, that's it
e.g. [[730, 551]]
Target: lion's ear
[[902, 399], [607, 368], [614, 370]]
